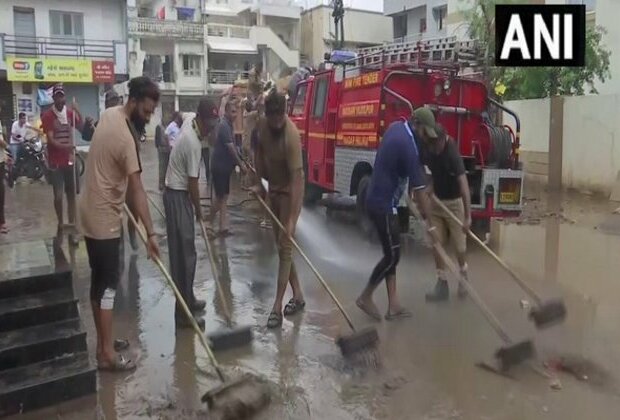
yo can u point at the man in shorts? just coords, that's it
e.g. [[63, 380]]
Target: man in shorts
[[443, 158], [279, 161], [397, 160], [58, 123], [225, 158], [112, 178], [182, 206]]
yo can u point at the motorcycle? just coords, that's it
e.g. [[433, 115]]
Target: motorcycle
[[30, 163]]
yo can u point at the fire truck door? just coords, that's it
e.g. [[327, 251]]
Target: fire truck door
[[317, 131]]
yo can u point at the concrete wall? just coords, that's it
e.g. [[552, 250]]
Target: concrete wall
[[590, 155], [103, 20]]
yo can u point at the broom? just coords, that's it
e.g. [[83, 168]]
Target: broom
[[512, 353], [222, 340], [236, 399], [544, 314], [352, 344]]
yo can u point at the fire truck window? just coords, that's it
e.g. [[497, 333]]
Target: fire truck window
[[300, 100], [320, 94]]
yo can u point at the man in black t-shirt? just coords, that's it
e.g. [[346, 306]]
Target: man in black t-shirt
[[443, 159]]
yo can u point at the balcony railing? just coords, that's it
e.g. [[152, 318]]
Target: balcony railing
[[226, 77], [24, 46], [228, 31], [166, 28]]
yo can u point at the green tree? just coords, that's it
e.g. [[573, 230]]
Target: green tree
[[535, 82]]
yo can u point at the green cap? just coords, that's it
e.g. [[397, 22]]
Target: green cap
[[425, 118]]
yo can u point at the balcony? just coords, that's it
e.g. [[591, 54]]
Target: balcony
[[148, 27], [57, 47], [226, 77], [228, 31]]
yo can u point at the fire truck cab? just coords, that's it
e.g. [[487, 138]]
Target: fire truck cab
[[343, 111]]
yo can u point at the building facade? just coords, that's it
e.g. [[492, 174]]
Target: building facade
[[362, 28], [198, 47], [81, 43]]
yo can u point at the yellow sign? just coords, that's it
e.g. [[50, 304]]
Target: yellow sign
[[356, 140], [363, 80], [364, 126], [367, 109], [507, 198], [49, 70]]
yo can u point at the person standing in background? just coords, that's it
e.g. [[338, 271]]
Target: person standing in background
[[163, 154], [174, 128], [58, 122], [3, 147]]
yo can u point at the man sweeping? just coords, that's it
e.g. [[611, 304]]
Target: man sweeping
[[182, 206], [442, 157], [279, 161], [112, 178], [397, 160], [58, 123]]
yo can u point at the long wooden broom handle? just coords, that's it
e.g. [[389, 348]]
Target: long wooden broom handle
[[179, 297], [218, 285], [495, 323], [227, 312], [305, 257], [303, 254], [496, 257]]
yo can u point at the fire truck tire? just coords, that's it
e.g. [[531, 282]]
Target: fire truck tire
[[312, 193], [360, 207]]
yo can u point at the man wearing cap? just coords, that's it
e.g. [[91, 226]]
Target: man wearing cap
[[57, 123], [182, 205], [443, 158], [397, 161]]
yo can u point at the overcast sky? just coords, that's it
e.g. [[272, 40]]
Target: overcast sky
[[376, 5]]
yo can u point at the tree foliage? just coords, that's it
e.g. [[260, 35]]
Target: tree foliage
[[535, 82]]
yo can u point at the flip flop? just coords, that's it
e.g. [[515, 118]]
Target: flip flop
[[401, 314], [293, 306], [373, 314], [4, 229], [224, 233], [120, 364], [275, 320], [121, 344]]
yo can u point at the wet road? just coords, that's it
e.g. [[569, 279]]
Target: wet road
[[428, 367]]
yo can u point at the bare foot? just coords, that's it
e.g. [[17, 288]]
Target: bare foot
[[369, 308]]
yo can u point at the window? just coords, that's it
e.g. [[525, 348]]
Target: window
[[590, 4], [320, 96], [300, 100], [67, 24], [440, 17], [400, 26], [422, 25], [191, 65]]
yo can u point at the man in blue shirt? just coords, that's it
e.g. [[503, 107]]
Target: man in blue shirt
[[396, 162]]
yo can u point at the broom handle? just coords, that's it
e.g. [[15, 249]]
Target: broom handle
[[180, 299], [495, 323], [211, 259], [220, 291], [312, 267], [496, 257]]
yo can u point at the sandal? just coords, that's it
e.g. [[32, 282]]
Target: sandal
[[293, 306], [120, 364], [4, 229], [401, 314], [224, 233], [275, 320], [121, 344]]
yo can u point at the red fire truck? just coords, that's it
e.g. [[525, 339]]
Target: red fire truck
[[342, 112]]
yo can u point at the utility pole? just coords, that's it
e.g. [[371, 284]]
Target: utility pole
[[338, 15]]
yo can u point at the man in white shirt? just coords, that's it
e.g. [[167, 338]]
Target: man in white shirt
[[174, 129], [19, 129], [182, 205]]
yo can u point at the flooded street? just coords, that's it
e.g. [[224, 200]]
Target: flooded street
[[563, 246]]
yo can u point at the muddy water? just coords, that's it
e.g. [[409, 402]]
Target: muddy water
[[428, 367]]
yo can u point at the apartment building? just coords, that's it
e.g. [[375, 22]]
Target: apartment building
[[362, 28], [417, 19], [81, 43], [198, 47]]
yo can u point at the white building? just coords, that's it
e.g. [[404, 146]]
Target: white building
[[81, 43], [417, 19], [362, 28], [198, 47]]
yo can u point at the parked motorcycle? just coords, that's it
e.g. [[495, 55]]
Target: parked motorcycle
[[30, 163]]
